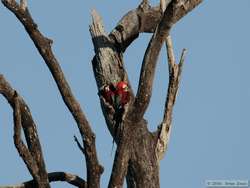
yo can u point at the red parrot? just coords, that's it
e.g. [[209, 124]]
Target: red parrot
[[108, 93], [117, 96], [122, 95]]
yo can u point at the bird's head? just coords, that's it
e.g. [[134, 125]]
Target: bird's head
[[122, 86]]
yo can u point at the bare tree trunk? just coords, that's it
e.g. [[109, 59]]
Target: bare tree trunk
[[138, 150]]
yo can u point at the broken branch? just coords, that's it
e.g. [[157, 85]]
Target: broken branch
[[175, 71], [32, 156], [171, 15], [20, 146]]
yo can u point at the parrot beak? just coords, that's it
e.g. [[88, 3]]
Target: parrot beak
[[126, 88]]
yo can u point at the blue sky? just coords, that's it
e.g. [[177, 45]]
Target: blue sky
[[210, 132]]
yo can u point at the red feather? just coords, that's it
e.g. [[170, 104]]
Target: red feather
[[122, 94]]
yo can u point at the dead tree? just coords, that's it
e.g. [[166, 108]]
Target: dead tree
[[138, 150]]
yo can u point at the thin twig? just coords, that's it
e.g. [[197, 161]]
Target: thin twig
[[79, 145]]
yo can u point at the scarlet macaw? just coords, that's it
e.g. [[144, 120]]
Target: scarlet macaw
[[122, 95], [108, 93], [117, 96]]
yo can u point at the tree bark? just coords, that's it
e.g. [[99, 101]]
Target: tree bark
[[43, 45], [53, 177], [137, 155], [32, 155], [138, 150]]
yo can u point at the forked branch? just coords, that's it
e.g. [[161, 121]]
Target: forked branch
[[43, 45], [108, 68], [145, 19], [174, 11], [31, 155], [175, 71], [20, 146]]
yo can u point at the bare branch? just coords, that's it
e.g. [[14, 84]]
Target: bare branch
[[144, 20], [171, 15], [133, 23], [138, 150], [175, 71], [53, 177], [79, 145], [163, 5], [170, 53], [43, 44], [108, 66], [20, 146], [183, 55], [23, 4], [120, 163], [32, 155]]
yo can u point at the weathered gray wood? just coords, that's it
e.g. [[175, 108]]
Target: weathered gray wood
[[138, 150], [53, 177], [172, 14], [175, 71], [107, 65], [133, 151], [32, 155], [43, 45], [136, 145]]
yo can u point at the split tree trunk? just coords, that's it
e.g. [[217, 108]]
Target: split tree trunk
[[138, 150]]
